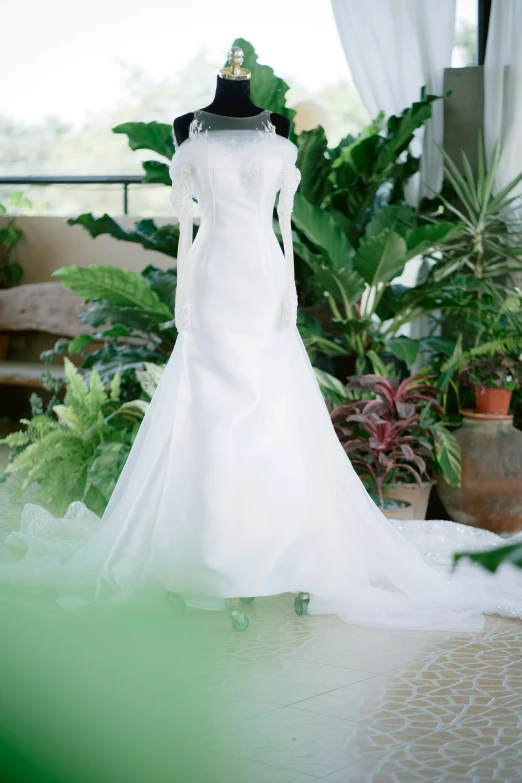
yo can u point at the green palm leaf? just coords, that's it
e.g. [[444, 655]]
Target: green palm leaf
[[322, 230], [120, 286], [382, 258], [155, 136]]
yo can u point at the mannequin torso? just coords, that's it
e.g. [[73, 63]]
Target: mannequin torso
[[232, 99]]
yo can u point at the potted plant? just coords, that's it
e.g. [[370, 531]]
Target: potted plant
[[494, 379], [396, 440]]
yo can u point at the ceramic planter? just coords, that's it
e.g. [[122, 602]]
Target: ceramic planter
[[490, 496], [491, 400], [406, 512], [417, 495]]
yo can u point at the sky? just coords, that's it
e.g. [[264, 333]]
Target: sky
[[65, 58]]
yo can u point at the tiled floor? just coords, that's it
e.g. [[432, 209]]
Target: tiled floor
[[311, 698], [301, 699]]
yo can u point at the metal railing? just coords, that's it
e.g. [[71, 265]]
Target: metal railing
[[89, 179]]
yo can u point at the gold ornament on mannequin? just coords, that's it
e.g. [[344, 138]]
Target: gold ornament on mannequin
[[234, 71]]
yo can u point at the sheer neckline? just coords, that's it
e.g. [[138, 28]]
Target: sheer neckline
[[227, 117]]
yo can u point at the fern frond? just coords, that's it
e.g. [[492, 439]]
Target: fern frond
[[115, 387], [504, 345]]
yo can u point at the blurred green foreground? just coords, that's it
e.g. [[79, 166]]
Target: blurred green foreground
[[104, 695]]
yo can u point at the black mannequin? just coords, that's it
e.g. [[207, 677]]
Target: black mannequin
[[232, 99]]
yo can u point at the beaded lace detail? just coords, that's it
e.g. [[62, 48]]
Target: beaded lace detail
[[181, 198], [181, 193], [207, 126], [289, 184]]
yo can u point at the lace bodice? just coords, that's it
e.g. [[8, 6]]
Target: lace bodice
[[234, 167]]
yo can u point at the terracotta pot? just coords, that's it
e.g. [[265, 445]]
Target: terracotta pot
[[491, 400], [417, 495], [406, 512], [491, 493], [4, 345]]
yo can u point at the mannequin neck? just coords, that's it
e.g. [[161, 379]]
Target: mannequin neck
[[232, 99]]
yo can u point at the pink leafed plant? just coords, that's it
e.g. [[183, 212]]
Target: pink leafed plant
[[385, 436]]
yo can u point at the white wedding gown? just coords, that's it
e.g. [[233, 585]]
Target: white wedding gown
[[237, 484]]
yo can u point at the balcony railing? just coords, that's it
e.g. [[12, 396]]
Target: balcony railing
[[90, 179]]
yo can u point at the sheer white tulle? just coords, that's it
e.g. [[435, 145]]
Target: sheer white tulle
[[237, 484]]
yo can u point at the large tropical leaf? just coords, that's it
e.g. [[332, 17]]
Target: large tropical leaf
[[314, 165], [400, 218], [494, 558], [164, 239], [268, 90], [401, 130], [135, 318], [120, 286], [317, 225], [357, 158], [331, 387], [155, 136], [382, 258], [345, 285], [447, 454], [405, 349], [162, 281], [424, 238], [156, 173]]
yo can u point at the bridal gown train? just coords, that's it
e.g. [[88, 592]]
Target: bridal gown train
[[237, 484]]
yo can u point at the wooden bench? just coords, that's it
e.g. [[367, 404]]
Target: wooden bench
[[27, 374], [31, 310]]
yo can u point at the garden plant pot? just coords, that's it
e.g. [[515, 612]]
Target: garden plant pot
[[490, 495], [417, 495], [405, 511], [492, 400]]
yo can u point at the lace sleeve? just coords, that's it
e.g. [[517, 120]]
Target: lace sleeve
[[181, 199], [289, 184]]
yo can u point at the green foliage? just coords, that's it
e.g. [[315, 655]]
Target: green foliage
[[447, 453], [268, 90], [393, 429], [163, 239], [120, 286], [492, 559], [155, 136], [11, 272], [497, 336], [133, 317], [489, 246], [78, 451]]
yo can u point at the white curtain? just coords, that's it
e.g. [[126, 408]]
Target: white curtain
[[393, 48], [503, 87]]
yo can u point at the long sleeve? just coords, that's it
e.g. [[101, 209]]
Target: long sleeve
[[289, 184], [181, 199]]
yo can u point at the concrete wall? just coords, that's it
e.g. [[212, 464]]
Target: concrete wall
[[49, 243], [463, 112]]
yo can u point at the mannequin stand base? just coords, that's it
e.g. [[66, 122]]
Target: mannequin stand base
[[240, 621]]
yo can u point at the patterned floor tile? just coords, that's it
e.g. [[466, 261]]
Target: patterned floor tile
[[432, 695], [485, 747]]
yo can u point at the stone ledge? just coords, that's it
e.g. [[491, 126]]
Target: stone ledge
[[27, 373]]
